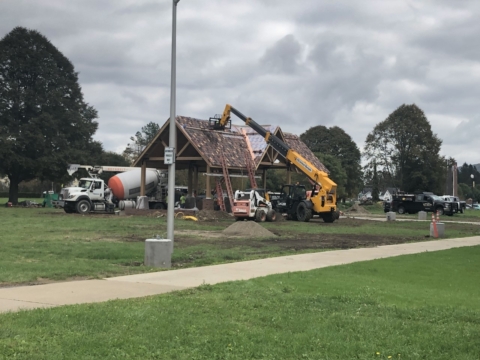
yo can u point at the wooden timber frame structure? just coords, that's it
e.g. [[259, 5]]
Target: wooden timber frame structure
[[199, 149]]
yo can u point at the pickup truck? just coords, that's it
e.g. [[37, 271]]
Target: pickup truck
[[426, 201], [462, 205]]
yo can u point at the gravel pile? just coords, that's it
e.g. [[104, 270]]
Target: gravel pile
[[248, 229]]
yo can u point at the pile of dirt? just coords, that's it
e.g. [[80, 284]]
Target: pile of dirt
[[248, 229], [280, 217], [357, 209], [212, 215]]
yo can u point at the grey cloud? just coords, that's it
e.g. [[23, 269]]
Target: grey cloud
[[454, 38], [293, 64], [462, 134], [283, 57], [146, 8]]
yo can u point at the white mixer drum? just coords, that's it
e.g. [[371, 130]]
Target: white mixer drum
[[127, 185]]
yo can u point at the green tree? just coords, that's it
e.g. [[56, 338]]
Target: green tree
[[406, 149], [465, 172], [469, 192], [275, 179], [110, 158], [44, 122], [336, 142], [139, 141]]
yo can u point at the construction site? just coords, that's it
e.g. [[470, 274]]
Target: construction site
[[217, 150]]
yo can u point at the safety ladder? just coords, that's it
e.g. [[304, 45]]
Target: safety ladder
[[219, 191], [249, 162], [250, 169], [226, 177]]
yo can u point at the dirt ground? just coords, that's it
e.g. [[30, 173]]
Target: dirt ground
[[300, 242], [291, 240]]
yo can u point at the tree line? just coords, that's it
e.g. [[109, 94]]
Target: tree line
[[45, 124]]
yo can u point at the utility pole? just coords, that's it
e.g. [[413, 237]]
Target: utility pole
[[173, 130]]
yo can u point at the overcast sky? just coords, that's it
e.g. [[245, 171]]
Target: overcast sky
[[295, 64]]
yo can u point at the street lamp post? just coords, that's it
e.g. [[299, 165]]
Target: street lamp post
[[473, 181], [173, 128]]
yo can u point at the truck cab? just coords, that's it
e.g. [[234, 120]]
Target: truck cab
[[91, 194], [462, 205]]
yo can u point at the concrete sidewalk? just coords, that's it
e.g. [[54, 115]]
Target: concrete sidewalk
[[133, 286]]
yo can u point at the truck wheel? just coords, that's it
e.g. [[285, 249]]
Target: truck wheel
[[401, 210], [292, 217], [304, 214], [271, 215], [439, 210], [329, 218], [83, 207], [260, 216]]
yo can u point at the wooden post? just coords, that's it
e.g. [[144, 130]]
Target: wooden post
[[208, 195], [195, 178], [190, 180], [142, 178]]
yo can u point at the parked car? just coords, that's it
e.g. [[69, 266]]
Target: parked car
[[476, 206]]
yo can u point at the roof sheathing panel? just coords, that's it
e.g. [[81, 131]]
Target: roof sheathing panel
[[213, 144]]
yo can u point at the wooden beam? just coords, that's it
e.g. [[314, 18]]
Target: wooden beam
[[189, 158], [190, 180], [195, 180], [183, 149], [282, 165], [269, 153], [208, 194], [186, 158]]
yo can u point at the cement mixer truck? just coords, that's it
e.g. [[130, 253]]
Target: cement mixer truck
[[93, 194]]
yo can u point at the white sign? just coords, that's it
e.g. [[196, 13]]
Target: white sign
[[169, 158]]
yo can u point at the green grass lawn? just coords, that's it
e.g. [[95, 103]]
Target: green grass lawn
[[423, 306], [40, 244]]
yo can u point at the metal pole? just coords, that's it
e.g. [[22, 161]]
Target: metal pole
[[173, 128]]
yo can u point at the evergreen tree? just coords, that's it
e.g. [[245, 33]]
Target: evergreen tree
[[44, 122]]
